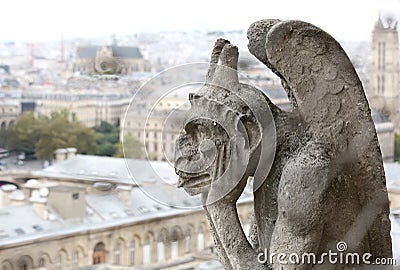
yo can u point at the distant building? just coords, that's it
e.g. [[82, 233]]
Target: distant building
[[9, 112], [392, 172], [384, 80], [385, 131], [157, 132], [90, 107], [87, 210], [110, 60]]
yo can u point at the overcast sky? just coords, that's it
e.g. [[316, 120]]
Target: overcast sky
[[38, 20]]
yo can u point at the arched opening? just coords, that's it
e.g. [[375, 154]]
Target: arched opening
[[99, 253], [187, 241], [75, 260], [174, 243], [42, 263], [146, 251], [200, 240], [11, 124], [132, 252], [117, 254], [160, 249], [6, 265], [3, 125], [24, 263]]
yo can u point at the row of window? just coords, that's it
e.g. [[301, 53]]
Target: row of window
[[99, 252]]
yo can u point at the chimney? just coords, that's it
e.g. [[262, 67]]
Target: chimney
[[39, 205], [125, 194], [68, 201], [6, 192], [17, 197], [61, 155], [71, 152]]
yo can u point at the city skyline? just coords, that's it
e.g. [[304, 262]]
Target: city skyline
[[44, 20]]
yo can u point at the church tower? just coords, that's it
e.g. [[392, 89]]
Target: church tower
[[384, 84]]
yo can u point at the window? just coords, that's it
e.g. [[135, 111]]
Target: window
[[75, 260], [155, 147], [117, 254], [379, 84], [59, 262], [37, 228], [160, 249], [75, 196], [379, 56], [200, 240], [383, 56], [19, 231], [99, 253], [174, 244], [23, 265], [187, 241], [42, 263], [146, 251], [132, 253]]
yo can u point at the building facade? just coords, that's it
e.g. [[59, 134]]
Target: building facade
[[87, 210], [9, 112], [110, 60], [384, 85]]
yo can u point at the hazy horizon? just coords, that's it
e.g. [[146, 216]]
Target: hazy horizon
[[46, 20]]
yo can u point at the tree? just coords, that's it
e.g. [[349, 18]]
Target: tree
[[3, 137], [106, 149], [24, 135], [107, 139], [43, 135], [131, 147], [396, 147], [60, 131]]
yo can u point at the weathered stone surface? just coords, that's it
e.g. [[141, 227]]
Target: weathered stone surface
[[318, 176]]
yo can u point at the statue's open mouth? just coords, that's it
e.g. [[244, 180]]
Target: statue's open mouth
[[193, 181]]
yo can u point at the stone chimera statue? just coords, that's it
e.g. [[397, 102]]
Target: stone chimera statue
[[321, 181]]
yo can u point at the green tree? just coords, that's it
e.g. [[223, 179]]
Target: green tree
[[3, 137], [60, 131], [131, 147], [43, 135], [104, 127], [83, 139], [24, 135], [107, 139], [396, 147], [106, 149]]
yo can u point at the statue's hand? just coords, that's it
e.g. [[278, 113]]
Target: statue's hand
[[231, 174]]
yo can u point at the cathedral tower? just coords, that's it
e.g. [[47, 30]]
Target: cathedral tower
[[384, 85]]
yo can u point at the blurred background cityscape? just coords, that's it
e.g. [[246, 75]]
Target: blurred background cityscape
[[68, 200]]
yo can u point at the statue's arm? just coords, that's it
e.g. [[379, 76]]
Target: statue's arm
[[234, 249]]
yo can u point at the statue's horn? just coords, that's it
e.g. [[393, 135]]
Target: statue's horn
[[218, 46], [225, 74]]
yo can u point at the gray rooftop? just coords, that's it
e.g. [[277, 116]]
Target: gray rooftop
[[392, 172], [379, 117]]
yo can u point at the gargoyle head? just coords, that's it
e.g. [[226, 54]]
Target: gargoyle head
[[222, 133]]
